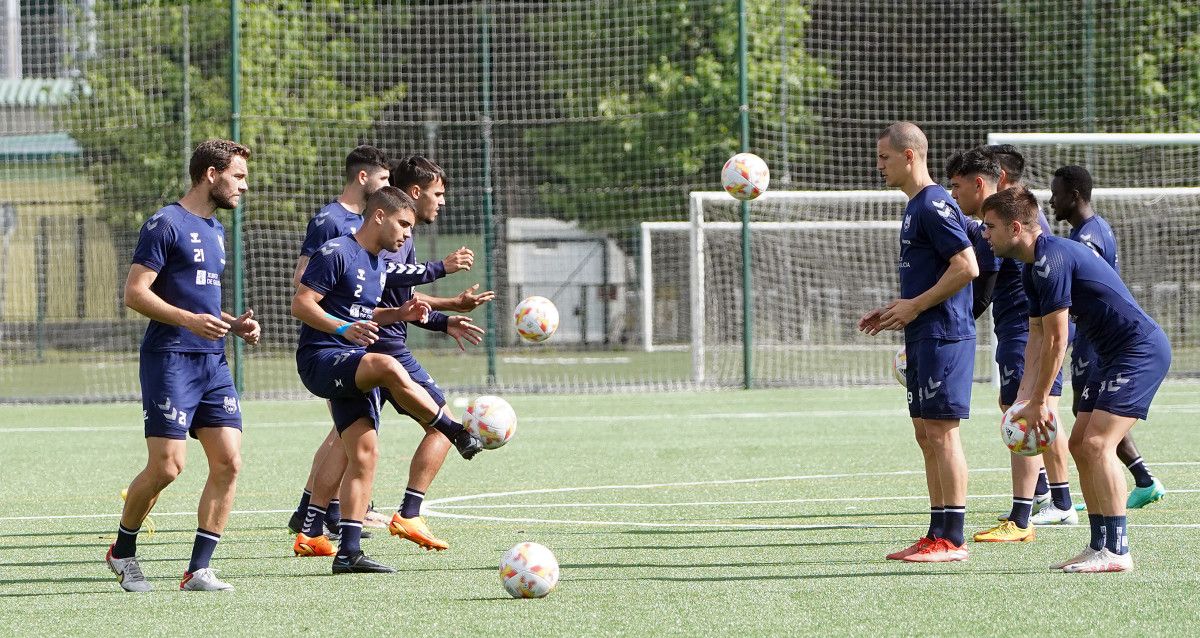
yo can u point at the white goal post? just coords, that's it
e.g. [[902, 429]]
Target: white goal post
[[875, 217]]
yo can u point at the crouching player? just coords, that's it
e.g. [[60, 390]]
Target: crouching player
[[1061, 277], [337, 300]]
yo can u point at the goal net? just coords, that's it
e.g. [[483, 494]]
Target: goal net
[[819, 259]]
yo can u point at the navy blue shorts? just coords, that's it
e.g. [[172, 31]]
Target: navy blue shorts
[[1125, 385], [1083, 362], [1010, 356], [182, 391], [329, 374], [939, 377], [418, 374]]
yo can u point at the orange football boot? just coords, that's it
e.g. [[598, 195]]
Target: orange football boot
[[415, 530], [313, 545]]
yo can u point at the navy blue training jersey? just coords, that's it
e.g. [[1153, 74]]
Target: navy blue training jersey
[[1010, 307], [188, 253], [1095, 233], [1067, 274], [403, 272], [934, 230], [333, 220], [352, 281]]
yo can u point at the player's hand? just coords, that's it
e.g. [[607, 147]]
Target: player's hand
[[461, 259], [461, 327], [247, 328], [899, 313], [869, 323], [468, 300], [1037, 421], [206, 326], [414, 310], [362, 333]]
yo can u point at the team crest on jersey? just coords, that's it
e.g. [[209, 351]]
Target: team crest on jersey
[[942, 208], [231, 405]]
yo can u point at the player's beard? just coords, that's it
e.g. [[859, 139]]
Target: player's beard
[[224, 202]]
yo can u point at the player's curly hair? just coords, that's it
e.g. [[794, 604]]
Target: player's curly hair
[[1076, 178], [1013, 205], [215, 153]]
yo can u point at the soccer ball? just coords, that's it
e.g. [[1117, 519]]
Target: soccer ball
[[536, 319], [528, 570], [745, 176], [900, 366], [491, 419], [1019, 439]]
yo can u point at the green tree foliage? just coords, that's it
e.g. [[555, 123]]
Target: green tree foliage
[[308, 89], [1146, 67], [648, 104]]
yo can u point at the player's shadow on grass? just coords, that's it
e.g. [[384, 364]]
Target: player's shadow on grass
[[102, 545], [40, 534], [676, 548], [44, 594], [844, 515]]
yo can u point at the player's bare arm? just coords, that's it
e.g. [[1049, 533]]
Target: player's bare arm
[[306, 307], [465, 301], [1054, 330], [301, 264], [963, 269], [140, 298]]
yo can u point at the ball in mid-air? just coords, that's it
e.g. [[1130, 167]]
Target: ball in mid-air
[[491, 419], [536, 319], [528, 570], [745, 176]]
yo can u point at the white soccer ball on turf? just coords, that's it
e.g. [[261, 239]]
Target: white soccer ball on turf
[[745, 176], [491, 419], [528, 570], [536, 319], [900, 366], [1019, 438]]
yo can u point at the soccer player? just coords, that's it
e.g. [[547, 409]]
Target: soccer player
[[1052, 496], [1071, 200], [187, 389], [937, 265], [337, 301], [1063, 276], [366, 172], [425, 182], [974, 176]]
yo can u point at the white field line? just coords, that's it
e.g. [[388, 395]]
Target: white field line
[[898, 413]]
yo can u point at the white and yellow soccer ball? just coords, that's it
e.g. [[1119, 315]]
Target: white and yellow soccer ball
[[1020, 439], [491, 419], [745, 176], [536, 319], [900, 366], [528, 570]]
